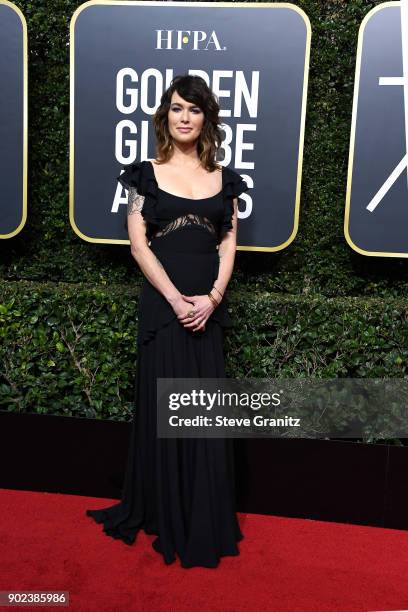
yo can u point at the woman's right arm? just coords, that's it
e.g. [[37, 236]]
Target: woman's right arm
[[146, 259]]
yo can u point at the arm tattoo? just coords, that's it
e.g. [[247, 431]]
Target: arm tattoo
[[135, 201]]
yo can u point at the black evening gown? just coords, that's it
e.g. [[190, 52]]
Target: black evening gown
[[181, 490]]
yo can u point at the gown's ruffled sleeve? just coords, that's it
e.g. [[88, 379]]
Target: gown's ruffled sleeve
[[233, 186], [138, 180]]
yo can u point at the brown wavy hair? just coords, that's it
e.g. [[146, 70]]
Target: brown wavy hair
[[195, 90]]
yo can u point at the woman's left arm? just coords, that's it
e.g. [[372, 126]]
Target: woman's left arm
[[226, 253], [203, 305]]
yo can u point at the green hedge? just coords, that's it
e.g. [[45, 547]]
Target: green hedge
[[318, 262], [71, 349]]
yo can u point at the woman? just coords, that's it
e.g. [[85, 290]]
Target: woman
[[182, 222]]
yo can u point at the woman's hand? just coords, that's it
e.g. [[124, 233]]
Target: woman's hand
[[181, 306], [202, 307]]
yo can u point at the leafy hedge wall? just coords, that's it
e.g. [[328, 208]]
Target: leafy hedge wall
[[71, 349]]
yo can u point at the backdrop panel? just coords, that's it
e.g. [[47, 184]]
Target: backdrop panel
[[125, 54], [13, 120], [376, 216]]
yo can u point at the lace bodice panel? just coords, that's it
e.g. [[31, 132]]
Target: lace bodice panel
[[135, 205], [185, 220]]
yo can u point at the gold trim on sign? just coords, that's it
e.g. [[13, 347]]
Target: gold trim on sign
[[353, 134], [194, 5], [25, 112]]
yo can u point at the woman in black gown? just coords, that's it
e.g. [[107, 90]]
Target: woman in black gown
[[182, 489]]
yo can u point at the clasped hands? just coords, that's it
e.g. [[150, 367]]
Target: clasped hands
[[201, 306]]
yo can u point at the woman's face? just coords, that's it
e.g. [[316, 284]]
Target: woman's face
[[183, 114]]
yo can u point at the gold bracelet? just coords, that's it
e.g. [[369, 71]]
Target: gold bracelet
[[214, 287], [213, 300]]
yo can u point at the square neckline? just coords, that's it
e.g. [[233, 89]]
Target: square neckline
[[182, 197]]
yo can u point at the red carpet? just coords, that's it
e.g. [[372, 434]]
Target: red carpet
[[47, 542]]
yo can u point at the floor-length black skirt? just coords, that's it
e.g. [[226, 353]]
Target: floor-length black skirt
[[180, 489]]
